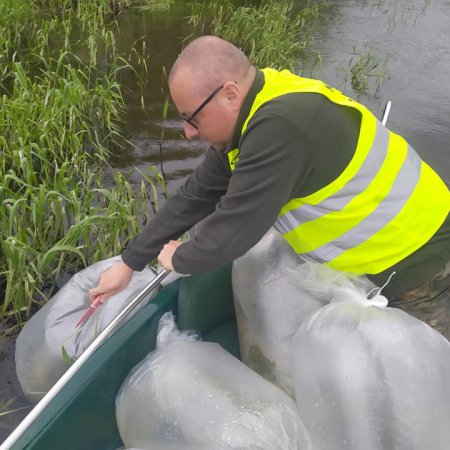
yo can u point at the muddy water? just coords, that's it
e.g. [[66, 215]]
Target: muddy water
[[156, 140], [413, 34]]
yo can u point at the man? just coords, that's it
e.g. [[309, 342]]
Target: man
[[294, 153]]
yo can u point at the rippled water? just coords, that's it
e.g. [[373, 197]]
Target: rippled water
[[414, 36]]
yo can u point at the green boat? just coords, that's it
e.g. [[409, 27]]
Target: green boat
[[81, 414]]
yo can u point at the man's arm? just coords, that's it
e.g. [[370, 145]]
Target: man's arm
[[273, 163], [192, 202]]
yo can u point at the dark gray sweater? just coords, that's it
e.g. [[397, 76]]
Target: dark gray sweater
[[293, 146]]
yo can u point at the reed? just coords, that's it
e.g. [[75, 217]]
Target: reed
[[5, 407], [367, 70], [271, 33], [60, 113]]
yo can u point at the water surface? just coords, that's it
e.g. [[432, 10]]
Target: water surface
[[414, 36]]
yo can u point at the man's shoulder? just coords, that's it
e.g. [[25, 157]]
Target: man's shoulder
[[297, 109]]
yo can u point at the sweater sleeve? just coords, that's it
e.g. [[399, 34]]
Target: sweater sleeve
[[273, 164], [193, 201]]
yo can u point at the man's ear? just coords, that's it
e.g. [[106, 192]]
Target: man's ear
[[233, 94]]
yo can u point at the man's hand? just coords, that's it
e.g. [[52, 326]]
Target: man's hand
[[112, 281], [165, 257]]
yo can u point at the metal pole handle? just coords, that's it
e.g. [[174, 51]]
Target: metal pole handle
[[387, 108], [95, 344]]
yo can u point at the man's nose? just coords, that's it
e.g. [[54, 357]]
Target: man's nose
[[190, 131]]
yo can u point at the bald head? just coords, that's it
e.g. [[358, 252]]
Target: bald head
[[212, 61]]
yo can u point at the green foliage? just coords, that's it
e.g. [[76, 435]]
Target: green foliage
[[366, 68], [60, 112], [154, 5], [271, 33], [67, 359]]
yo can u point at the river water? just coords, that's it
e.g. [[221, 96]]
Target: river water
[[414, 36]]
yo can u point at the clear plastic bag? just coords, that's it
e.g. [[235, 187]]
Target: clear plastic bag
[[195, 395], [50, 337], [371, 377], [272, 297]]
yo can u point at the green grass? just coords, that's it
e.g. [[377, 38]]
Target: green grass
[[60, 112], [272, 33], [367, 70]]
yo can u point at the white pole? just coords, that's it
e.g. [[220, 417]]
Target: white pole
[[51, 394], [386, 112]]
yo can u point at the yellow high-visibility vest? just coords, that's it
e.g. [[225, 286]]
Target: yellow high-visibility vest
[[386, 204]]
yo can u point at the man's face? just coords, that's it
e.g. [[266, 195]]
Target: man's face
[[205, 116]]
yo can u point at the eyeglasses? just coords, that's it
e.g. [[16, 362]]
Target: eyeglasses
[[189, 119]]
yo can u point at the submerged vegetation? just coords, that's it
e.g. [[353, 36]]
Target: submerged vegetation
[[5, 408], [366, 69]]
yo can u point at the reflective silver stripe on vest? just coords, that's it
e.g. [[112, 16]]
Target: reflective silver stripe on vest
[[339, 200], [401, 190]]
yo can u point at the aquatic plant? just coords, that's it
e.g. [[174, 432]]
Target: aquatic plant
[[366, 67], [154, 5], [4, 407], [60, 113], [271, 33], [401, 12]]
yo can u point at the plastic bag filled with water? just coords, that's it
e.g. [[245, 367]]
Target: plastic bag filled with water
[[371, 377], [273, 292], [191, 395], [50, 339]]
